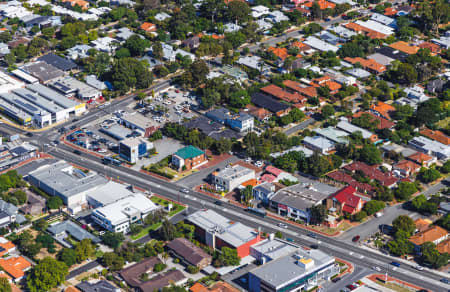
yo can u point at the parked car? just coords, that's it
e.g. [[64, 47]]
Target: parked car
[[356, 238]]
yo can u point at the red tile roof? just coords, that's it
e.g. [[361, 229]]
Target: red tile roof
[[434, 48], [383, 124], [268, 178], [383, 109], [433, 233], [368, 64], [323, 4], [273, 170], [15, 266], [404, 47], [282, 94], [369, 32], [389, 11], [420, 157], [148, 26], [281, 53], [309, 91], [341, 176], [372, 172], [436, 135], [407, 166], [347, 198]]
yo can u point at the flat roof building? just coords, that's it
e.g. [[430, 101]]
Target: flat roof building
[[58, 62], [430, 147], [40, 117], [218, 231], [71, 86], [118, 216], [298, 271], [318, 143], [295, 201], [136, 121], [7, 83], [107, 193], [230, 178], [65, 181], [14, 112], [271, 249], [42, 71]]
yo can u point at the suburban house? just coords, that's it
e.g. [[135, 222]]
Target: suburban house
[[345, 202], [189, 253], [188, 158], [15, 267], [263, 192], [406, 168], [148, 27], [382, 109], [422, 159], [434, 234]]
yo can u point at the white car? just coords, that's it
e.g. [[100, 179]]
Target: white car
[[376, 269], [102, 151], [282, 225], [418, 267]]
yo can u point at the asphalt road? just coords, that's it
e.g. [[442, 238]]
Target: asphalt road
[[82, 269], [348, 251]]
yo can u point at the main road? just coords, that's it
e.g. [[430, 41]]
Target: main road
[[347, 251]]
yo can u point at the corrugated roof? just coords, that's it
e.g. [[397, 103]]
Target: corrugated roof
[[189, 152]]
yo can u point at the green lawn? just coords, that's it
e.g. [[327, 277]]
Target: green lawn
[[176, 208], [145, 231]]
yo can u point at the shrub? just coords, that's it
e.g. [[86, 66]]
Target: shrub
[[159, 267], [192, 269]]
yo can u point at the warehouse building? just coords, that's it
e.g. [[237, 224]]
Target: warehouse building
[[70, 86], [40, 117], [7, 83], [43, 71], [72, 107], [15, 113], [67, 182]]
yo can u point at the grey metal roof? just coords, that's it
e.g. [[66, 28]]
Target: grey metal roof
[[100, 286], [8, 208], [38, 100], [57, 61], [65, 179], [42, 70], [282, 271], [52, 95], [73, 229], [23, 104]]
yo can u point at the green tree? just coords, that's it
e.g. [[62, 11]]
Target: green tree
[[47, 274], [404, 223], [405, 190], [54, 202], [113, 261], [360, 216], [278, 234], [239, 11], [373, 206], [229, 256], [123, 53], [68, 256], [446, 167], [247, 194], [167, 230], [427, 175], [136, 45], [157, 50], [158, 267], [327, 111], [128, 73], [318, 214], [84, 250], [400, 247], [370, 154], [4, 285]]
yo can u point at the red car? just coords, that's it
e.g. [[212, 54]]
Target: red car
[[356, 238]]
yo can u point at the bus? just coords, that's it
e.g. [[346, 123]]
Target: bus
[[110, 160], [258, 212]]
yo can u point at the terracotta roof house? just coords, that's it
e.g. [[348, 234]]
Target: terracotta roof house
[[326, 81], [422, 159], [301, 46], [217, 287], [190, 253], [345, 201], [307, 92], [323, 4], [15, 267], [340, 176], [444, 246], [6, 246], [436, 135], [281, 53], [407, 167], [282, 94], [382, 109], [72, 289], [83, 4], [368, 32], [148, 27], [259, 113], [386, 179], [368, 64], [382, 122], [389, 11], [404, 47], [434, 48], [422, 224], [434, 234]]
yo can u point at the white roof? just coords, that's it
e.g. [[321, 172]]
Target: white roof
[[109, 193], [350, 128], [119, 211], [383, 19], [231, 27], [162, 16], [376, 26], [7, 83], [320, 45], [319, 142]]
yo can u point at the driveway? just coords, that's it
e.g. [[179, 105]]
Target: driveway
[[300, 126]]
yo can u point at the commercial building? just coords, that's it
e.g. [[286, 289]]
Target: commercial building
[[72, 107], [272, 248], [217, 231], [430, 147], [189, 253], [7, 83], [43, 71], [263, 192], [15, 113], [67, 182], [70, 86], [107, 193], [39, 117], [136, 121], [231, 177], [189, 157], [132, 149], [298, 271], [296, 201], [118, 216], [58, 62]]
